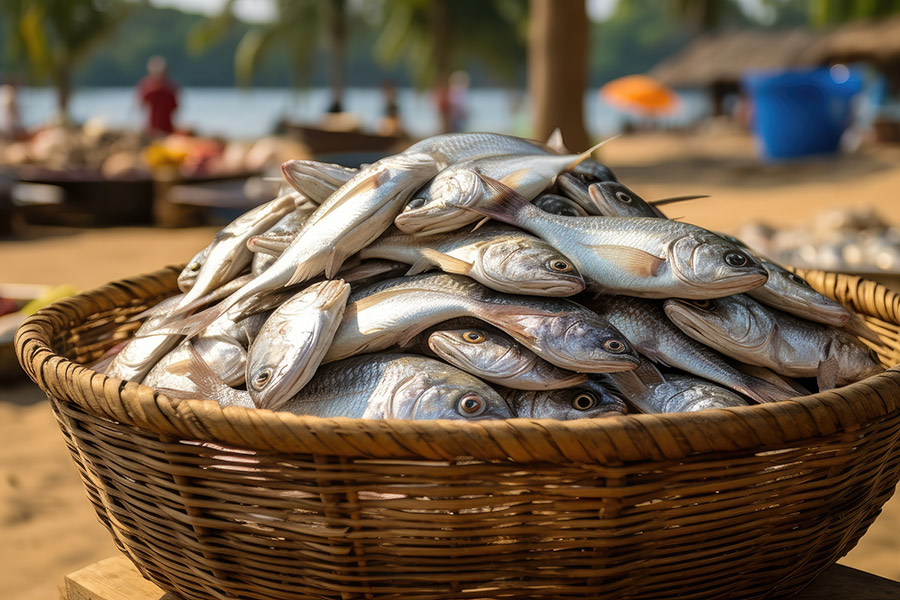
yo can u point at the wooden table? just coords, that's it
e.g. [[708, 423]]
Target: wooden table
[[117, 579]]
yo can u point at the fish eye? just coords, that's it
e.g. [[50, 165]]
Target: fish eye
[[560, 265], [798, 280], [615, 346], [471, 405], [194, 266], [415, 203], [262, 378], [703, 304], [584, 401], [473, 337], [737, 259], [623, 198]]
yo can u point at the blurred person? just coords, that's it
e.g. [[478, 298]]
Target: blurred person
[[160, 97], [390, 123], [458, 99], [10, 118]]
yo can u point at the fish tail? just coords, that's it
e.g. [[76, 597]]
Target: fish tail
[[762, 391], [503, 204], [587, 154]]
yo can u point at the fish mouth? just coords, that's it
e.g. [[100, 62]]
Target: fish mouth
[[687, 319], [559, 287], [599, 364], [425, 221]]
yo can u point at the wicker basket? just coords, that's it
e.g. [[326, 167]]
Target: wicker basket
[[209, 503]]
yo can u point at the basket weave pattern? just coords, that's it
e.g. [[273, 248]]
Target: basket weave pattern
[[749, 502]]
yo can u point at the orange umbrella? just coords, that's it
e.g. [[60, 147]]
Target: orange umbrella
[[640, 94]]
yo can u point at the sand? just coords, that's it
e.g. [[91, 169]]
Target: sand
[[47, 526]]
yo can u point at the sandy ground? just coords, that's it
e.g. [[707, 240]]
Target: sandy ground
[[47, 526]]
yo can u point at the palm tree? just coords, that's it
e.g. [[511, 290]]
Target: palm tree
[[299, 28], [437, 37], [55, 35], [557, 68]]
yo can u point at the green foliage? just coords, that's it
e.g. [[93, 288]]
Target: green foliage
[[486, 32], [830, 12]]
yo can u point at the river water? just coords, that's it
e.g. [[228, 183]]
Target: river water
[[237, 113]]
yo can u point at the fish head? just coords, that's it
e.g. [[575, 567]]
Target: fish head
[[189, 273], [528, 266], [713, 266], [588, 400], [438, 207], [789, 291], [591, 171], [575, 339], [559, 205], [734, 321], [278, 364], [446, 393], [688, 394], [477, 350], [615, 200]]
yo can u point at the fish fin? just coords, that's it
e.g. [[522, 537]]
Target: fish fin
[[182, 367], [633, 260], [447, 263], [505, 205], [420, 266], [209, 385], [674, 199], [826, 374], [480, 224], [762, 391], [305, 270], [629, 383], [514, 179], [344, 249], [587, 154], [648, 373], [555, 142], [194, 324]]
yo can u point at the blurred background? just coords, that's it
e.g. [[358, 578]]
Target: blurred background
[[130, 131]]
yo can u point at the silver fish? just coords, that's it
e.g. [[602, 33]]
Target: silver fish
[[150, 344], [349, 220], [575, 187], [648, 329], [588, 400], [744, 329], [559, 331], [782, 289], [502, 258], [452, 148], [280, 235], [651, 258], [293, 341], [439, 207], [397, 386], [188, 276], [227, 255], [191, 377], [651, 392], [316, 180], [613, 199], [559, 205], [497, 358], [173, 372]]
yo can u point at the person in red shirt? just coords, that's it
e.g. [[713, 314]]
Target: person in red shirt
[[159, 96]]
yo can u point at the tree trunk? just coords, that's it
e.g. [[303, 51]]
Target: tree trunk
[[338, 64], [557, 69], [63, 93], [440, 33]]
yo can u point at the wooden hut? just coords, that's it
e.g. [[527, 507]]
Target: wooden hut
[[718, 61]]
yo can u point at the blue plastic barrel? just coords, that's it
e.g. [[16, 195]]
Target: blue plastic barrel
[[801, 113]]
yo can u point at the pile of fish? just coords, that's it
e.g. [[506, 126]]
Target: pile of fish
[[846, 240], [378, 293]]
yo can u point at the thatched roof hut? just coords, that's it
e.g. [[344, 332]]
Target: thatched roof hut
[[722, 59], [876, 41]]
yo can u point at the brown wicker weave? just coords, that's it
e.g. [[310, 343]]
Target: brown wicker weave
[[209, 503]]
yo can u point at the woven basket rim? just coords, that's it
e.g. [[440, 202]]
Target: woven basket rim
[[633, 437]]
